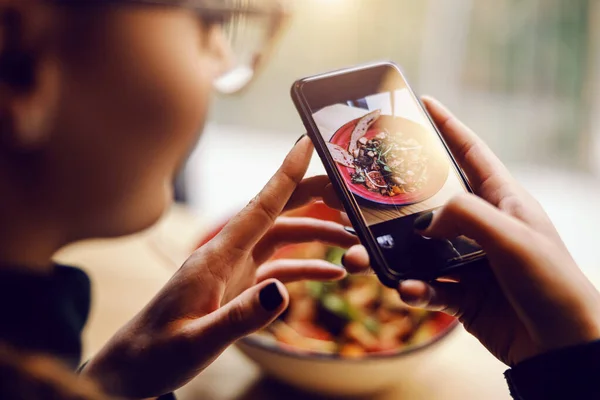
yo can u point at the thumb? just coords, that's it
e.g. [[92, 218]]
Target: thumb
[[475, 218], [251, 311], [433, 296]]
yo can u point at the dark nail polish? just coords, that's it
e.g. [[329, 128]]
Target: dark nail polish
[[350, 230], [423, 221], [270, 297], [343, 260], [299, 139]]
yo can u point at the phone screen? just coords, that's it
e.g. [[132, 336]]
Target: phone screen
[[393, 163]]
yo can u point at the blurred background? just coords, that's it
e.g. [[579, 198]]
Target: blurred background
[[524, 74]]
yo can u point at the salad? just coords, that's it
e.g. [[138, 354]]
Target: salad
[[352, 318], [388, 164]]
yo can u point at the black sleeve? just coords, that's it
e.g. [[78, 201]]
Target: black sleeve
[[570, 373]]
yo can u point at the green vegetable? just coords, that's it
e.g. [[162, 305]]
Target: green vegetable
[[358, 178], [315, 289], [335, 304], [334, 255], [371, 324], [340, 307]]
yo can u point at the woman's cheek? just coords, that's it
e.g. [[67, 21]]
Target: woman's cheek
[[134, 121]]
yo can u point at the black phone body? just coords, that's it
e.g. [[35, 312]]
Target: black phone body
[[388, 164]]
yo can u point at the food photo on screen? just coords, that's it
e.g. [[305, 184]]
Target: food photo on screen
[[388, 155]]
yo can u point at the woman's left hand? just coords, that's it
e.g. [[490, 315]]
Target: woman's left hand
[[226, 290]]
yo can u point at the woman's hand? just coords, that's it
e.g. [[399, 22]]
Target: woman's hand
[[533, 298], [224, 291]]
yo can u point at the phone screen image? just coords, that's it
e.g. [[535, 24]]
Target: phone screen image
[[392, 161]]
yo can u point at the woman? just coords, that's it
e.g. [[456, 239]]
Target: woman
[[100, 102]]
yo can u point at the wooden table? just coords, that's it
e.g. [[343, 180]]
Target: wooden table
[[127, 272]]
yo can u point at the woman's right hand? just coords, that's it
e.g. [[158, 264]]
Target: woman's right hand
[[533, 298]]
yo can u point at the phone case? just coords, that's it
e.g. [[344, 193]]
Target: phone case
[[388, 276]]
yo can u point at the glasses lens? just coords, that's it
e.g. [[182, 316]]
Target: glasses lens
[[250, 32]]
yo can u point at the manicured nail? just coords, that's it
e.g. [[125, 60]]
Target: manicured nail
[[299, 139], [423, 221], [350, 230], [343, 260], [270, 297]]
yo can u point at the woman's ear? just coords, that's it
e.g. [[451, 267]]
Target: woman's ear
[[28, 74]]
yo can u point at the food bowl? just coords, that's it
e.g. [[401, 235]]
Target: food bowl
[[339, 377], [343, 371]]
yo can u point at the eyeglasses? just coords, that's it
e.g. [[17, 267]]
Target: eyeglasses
[[246, 30]]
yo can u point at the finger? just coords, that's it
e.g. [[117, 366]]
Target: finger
[[356, 260], [251, 311], [313, 189], [297, 270], [308, 191], [292, 230], [524, 262], [345, 220], [485, 171], [488, 176], [247, 227], [331, 198], [436, 296], [473, 217]]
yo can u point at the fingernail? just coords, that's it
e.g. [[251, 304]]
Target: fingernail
[[412, 299], [423, 221], [270, 297], [343, 260], [350, 230], [299, 139]]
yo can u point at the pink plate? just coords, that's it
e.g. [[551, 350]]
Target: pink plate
[[438, 161]]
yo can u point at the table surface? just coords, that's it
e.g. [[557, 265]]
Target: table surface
[[127, 272]]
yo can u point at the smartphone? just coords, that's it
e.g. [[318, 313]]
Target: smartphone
[[388, 164]]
